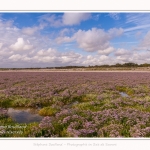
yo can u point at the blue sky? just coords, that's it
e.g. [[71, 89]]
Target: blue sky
[[73, 38]]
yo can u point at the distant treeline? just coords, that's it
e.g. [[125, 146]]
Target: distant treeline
[[130, 64], [105, 66], [124, 65]]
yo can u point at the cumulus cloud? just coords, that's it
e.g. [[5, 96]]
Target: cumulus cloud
[[29, 30], [32, 30], [67, 19], [21, 45], [6, 24], [51, 19], [96, 39], [18, 57], [97, 60], [121, 51], [64, 39], [75, 18], [15, 57], [107, 51], [64, 36], [1, 44], [49, 52], [92, 40], [54, 57], [5, 52], [134, 57], [64, 31]]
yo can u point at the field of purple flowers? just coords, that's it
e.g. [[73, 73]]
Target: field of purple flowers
[[78, 104]]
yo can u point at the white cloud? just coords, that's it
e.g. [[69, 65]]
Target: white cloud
[[21, 45], [64, 36], [137, 28], [64, 31], [114, 16], [64, 39], [138, 18], [49, 52], [75, 18], [29, 30], [1, 44], [55, 57], [18, 57], [96, 17], [67, 19], [121, 51], [51, 20], [5, 53], [104, 57], [97, 60], [92, 40], [107, 51], [6, 24], [32, 30], [15, 57], [96, 39], [115, 32], [135, 57]]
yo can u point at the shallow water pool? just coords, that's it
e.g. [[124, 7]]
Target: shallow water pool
[[22, 115], [123, 94]]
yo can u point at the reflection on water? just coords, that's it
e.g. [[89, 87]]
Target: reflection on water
[[24, 115], [123, 94]]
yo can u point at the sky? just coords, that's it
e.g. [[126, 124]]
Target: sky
[[73, 39]]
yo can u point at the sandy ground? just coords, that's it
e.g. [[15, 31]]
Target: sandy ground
[[75, 71]]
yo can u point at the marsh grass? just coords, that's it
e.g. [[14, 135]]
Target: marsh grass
[[128, 90], [48, 111], [5, 102]]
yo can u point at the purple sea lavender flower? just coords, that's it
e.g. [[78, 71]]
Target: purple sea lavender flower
[[46, 123], [66, 119]]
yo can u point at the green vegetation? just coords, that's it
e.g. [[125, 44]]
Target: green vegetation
[[48, 111]]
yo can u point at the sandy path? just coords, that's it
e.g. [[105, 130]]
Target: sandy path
[[74, 71]]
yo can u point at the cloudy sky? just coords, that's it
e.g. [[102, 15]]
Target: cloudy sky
[[67, 39]]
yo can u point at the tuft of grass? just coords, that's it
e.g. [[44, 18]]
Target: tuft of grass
[[127, 90], [19, 83], [20, 102], [5, 103], [48, 111]]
